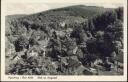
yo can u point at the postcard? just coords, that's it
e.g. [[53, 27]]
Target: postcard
[[64, 40]]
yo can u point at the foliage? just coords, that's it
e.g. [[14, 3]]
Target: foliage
[[45, 47]]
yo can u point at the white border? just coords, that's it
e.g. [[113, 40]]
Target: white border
[[59, 77]]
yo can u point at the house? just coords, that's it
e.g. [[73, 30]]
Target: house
[[43, 51], [118, 61], [68, 31], [33, 52], [87, 72], [62, 24], [113, 54], [18, 55], [37, 51], [55, 64], [97, 62], [79, 70], [64, 60], [75, 50], [60, 33], [73, 62], [16, 58], [10, 49], [93, 70]]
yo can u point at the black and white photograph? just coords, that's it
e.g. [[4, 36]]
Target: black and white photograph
[[64, 39]]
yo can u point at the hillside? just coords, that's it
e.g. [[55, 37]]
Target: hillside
[[60, 14], [64, 41]]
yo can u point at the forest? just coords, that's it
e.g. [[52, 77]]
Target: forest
[[74, 40]]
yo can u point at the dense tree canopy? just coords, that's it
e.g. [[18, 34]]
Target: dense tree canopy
[[58, 42]]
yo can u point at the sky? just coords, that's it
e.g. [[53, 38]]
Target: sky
[[30, 7]]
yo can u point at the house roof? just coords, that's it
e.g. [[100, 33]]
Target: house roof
[[73, 62], [64, 60], [119, 58], [80, 69], [35, 48]]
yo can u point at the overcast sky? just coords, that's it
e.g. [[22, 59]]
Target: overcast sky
[[29, 8]]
